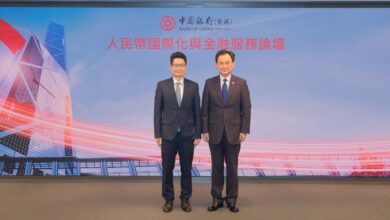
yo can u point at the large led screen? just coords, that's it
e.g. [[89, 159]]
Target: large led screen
[[77, 87]]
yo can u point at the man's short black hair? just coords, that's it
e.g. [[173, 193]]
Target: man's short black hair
[[180, 55], [223, 52]]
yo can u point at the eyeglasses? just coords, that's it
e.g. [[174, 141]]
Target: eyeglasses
[[182, 65], [224, 63]]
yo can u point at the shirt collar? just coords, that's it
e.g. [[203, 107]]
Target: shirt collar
[[176, 81], [221, 78]]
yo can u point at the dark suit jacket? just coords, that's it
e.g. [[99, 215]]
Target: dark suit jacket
[[234, 116], [168, 115]]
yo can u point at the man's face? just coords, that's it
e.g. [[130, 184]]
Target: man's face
[[178, 67], [225, 65]]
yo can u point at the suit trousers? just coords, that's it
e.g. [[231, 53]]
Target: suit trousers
[[169, 150], [221, 152]]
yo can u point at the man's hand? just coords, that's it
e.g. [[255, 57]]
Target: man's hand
[[206, 137], [159, 142], [242, 137], [196, 142]]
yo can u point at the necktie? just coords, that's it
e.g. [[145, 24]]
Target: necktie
[[178, 93], [224, 91]]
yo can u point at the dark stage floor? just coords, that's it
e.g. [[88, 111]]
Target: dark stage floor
[[139, 198]]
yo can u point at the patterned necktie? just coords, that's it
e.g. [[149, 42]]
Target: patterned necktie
[[178, 93], [224, 91]]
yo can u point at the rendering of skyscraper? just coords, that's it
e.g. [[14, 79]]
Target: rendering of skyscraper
[[35, 115], [55, 43]]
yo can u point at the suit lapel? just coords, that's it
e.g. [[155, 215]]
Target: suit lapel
[[217, 86], [185, 92]]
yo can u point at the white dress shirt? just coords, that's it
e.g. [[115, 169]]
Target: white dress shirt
[[221, 78]]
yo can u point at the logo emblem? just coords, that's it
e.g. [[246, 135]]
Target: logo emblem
[[168, 23]]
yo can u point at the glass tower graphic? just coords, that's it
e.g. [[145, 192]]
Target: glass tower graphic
[[55, 43], [36, 115]]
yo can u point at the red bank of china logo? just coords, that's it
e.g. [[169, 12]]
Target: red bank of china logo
[[168, 23]]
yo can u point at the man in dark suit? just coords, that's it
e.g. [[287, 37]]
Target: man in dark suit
[[226, 112], [177, 129]]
